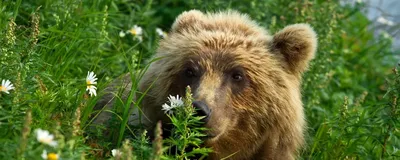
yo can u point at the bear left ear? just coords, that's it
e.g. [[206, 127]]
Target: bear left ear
[[188, 20], [297, 43]]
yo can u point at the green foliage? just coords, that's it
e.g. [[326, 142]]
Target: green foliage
[[350, 92], [187, 131], [185, 140]]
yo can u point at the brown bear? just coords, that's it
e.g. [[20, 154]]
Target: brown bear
[[246, 82]]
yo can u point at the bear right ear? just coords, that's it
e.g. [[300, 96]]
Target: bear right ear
[[297, 44], [188, 20]]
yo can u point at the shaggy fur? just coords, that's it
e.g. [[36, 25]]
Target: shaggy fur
[[248, 78]]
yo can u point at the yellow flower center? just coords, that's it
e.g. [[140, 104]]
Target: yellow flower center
[[133, 31], [88, 83], [52, 156], [2, 88]]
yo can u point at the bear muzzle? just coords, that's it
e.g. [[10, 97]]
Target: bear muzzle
[[203, 110]]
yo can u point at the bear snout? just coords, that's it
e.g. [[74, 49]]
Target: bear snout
[[202, 109]]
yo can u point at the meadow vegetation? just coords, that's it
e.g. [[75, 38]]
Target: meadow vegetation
[[350, 93]]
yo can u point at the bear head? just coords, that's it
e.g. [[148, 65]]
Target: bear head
[[247, 79]]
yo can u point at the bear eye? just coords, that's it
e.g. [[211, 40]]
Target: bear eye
[[189, 72], [237, 77]]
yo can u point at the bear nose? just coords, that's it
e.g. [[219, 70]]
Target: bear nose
[[202, 110]]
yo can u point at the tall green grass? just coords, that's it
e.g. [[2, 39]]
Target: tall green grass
[[350, 93]]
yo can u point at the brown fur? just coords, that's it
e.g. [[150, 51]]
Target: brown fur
[[259, 117], [264, 118]]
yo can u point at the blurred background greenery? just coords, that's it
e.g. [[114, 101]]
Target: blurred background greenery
[[47, 47]]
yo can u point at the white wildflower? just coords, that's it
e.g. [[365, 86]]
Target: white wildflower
[[359, 1], [173, 103], [122, 34], [385, 21], [6, 86], [91, 78], [50, 156], [167, 108], [45, 137], [116, 153], [137, 32], [161, 33], [92, 90], [90, 82]]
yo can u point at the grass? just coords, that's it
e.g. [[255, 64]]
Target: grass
[[350, 93]]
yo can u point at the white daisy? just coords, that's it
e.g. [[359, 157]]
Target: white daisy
[[45, 137], [136, 31], [92, 90], [122, 34], [50, 156], [167, 108], [385, 21], [90, 82], [116, 153], [173, 103], [6, 86], [91, 78], [161, 33]]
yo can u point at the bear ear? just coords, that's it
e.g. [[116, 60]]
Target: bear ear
[[187, 20], [297, 43]]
